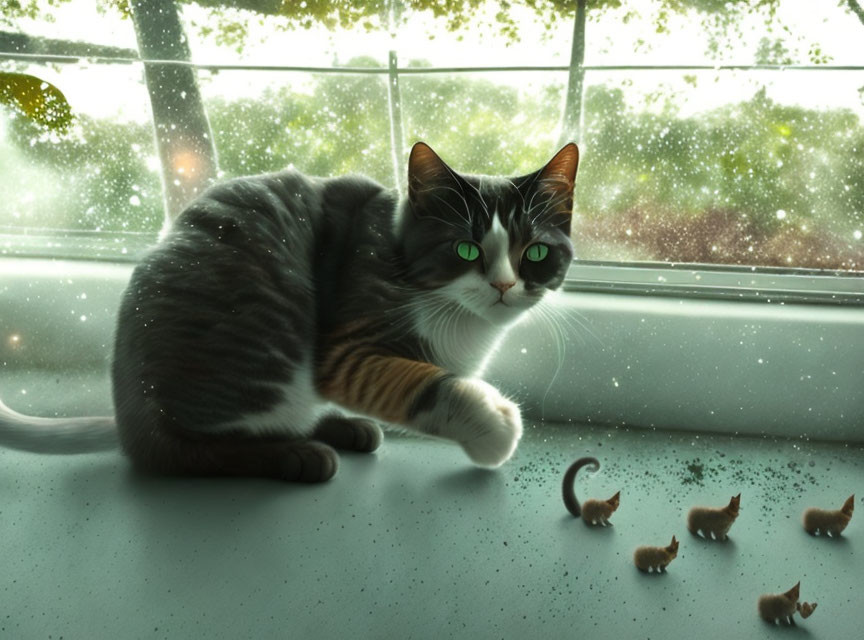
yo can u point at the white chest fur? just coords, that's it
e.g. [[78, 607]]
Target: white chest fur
[[458, 340]]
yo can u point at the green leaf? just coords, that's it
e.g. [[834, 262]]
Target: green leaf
[[35, 99]]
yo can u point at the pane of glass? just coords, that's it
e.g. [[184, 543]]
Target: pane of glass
[[70, 21], [338, 32], [324, 124], [503, 123], [234, 36], [102, 174], [740, 32], [491, 36], [749, 168]]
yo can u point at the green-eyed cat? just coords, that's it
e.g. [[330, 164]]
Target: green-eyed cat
[[275, 299]]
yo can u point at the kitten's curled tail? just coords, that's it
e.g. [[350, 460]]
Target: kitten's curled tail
[[567, 492], [56, 435]]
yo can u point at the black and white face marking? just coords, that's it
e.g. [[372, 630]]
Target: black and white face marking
[[492, 246], [493, 290]]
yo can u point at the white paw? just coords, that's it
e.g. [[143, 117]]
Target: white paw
[[485, 423]]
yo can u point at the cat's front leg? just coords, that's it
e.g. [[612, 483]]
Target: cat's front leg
[[423, 397], [474, 414]]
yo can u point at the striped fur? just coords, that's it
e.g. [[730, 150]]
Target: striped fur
[[276, 299]]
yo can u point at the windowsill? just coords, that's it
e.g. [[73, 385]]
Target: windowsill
[[644, 361], [412, 541], [718, 282]]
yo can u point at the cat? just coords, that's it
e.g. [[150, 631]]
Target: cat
[[708, 521], [831, 523], [774, 607], [655, 558], [599, 511], [276, 298], [592, 511]]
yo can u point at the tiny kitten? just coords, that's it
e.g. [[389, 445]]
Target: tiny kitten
[[593, 512], [655, 558], [275, 299], [831, 523], [774, 607], [599, 511], [713, 522]]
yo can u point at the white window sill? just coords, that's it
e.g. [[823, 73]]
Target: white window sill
[[639, 360]]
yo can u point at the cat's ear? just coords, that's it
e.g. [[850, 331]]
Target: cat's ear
[[553, 185], [849, 505], [793, 593], [428, 175], [559, 174]]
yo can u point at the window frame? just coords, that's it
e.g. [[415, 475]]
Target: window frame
[[716, 281]]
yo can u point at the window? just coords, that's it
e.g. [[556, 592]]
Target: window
[[748, 152], [722, 169]]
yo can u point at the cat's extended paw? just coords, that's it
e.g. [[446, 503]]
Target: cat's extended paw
[[485, 423]]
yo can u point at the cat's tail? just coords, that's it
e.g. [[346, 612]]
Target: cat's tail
[[56, 435], [567, 491]]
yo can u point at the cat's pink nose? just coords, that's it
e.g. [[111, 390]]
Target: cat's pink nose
[[502, 286]]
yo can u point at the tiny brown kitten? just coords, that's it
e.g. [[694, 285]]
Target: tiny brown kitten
[[832, 523], [596, 512], [774, 607], [714, 523], [806, 609], [655, 558], [592, 512]]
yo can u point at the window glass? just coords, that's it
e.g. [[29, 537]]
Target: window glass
[[678, 170], [100, 174], [97, 22], [324, 124], [510, 118], [739, 166]]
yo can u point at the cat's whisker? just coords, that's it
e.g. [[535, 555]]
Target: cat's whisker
[[575, 319], [518, 192], [553, 315], [550, 206], [482, 201], [454, 210], [436, 189], [560, 348], [406, 324], [530, 206]]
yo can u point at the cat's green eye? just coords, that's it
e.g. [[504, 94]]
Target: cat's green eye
[[537, 252], [467, 251]]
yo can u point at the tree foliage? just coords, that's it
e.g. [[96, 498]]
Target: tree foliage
[[754, 182], [229, 19]]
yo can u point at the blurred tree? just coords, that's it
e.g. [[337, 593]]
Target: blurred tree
[[749, 183], [231, 19]]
